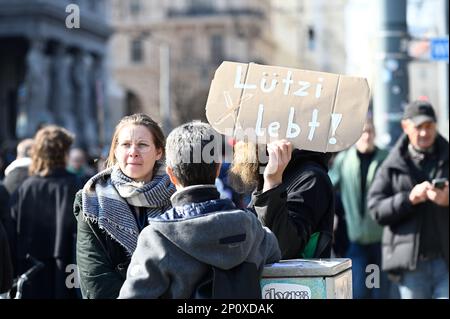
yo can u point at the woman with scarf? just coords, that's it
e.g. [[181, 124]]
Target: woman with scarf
[[115, 205]]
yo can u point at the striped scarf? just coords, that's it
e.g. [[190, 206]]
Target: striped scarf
[[107, 198]]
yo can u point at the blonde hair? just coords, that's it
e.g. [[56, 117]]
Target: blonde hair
[[50, 149], [136, 119], [244, 175]]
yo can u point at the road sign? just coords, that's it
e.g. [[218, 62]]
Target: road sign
[[439, 49]]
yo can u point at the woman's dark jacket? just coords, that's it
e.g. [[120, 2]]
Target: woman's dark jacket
[[301, 206], [42, 211], [111, 259]]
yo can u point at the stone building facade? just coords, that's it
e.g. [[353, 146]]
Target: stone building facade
[[52, 70], [198, 35]]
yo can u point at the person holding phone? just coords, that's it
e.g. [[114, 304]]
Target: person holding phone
[[413, 209]]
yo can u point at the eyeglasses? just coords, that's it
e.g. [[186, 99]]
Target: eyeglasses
[[141, 147]]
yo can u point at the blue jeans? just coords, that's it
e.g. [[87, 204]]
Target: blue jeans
[[362, 256], [429, 280]]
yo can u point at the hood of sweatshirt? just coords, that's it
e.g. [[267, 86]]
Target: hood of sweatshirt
[[212, 231]]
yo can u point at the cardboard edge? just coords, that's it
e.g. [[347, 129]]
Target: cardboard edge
[[332, 111], [207, 114], [366, 87], [247, 71]]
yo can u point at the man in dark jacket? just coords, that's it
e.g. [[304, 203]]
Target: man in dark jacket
[[413, 210]]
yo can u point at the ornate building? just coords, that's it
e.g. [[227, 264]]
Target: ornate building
[[164, 53], [52, 70]]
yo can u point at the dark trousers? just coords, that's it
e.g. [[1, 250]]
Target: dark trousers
[[366, 266]]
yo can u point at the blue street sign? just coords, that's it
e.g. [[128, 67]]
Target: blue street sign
[[439, 49]]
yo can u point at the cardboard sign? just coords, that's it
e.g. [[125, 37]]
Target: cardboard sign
[[316, 111]]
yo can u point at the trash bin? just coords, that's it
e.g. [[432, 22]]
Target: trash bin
[[308, 279]]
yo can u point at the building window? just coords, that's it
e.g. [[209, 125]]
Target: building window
[[135, 7], [188, 48], [137, 51], [119, 9], [311, 38], [217, 54], [199, 7], [201, 4]]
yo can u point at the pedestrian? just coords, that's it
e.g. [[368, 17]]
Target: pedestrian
[[294, 196], [414, 210], [204, 246], [77, 164], [42, 211], [115, 205], [6, 268], [17, 171], [352, 174], [8, 233]]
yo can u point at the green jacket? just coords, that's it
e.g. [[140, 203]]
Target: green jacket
[[345, 175], [102, 262]]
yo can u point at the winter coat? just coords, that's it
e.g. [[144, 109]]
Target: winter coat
[[390, 206], [301, 206], [5, 215], [111, 258], [108, 230], [202, 232], [346, 175], [6, 270], [16, 173], [42, 211]]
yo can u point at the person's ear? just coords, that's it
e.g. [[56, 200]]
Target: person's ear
[[159, 153], [172, 177], [405, 125]]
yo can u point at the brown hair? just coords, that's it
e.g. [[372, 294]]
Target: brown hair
[[136, 119], [244, 175], [50, 148]]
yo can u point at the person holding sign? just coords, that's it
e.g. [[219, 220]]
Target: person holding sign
[[294, 197], [316, 113]]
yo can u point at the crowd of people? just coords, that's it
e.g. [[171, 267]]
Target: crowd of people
[[157, 223]]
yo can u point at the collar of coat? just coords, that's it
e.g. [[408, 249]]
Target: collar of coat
[[398, 157], [196, 200]]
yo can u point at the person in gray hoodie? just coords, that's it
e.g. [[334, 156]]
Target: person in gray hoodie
[[204, 246]]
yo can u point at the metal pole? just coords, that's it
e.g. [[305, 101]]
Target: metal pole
[[164, 87], [391, 87], [442, 70]]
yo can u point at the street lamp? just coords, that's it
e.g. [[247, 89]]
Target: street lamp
[[164, 86], [164, 79]]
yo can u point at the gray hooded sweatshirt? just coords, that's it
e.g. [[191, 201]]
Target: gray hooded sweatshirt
[[173, 255]]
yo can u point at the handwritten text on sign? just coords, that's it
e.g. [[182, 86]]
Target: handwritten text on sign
[[305, 107]]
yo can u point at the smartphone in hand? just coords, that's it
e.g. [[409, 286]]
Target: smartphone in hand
[[439, 182]]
